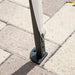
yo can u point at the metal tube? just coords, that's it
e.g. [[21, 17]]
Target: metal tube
[[37, 54]]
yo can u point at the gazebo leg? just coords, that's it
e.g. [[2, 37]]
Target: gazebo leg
[[38, 54]]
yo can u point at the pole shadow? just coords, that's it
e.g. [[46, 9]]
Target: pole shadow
[[25, 69]]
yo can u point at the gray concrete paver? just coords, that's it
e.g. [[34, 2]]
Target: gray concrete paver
[[18, 66], [61, 25], [63, 62], [52, 6]]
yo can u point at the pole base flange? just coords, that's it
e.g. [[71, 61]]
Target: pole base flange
[[34, 59]]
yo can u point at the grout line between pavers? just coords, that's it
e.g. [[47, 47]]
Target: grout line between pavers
[[46, 20], [3, 28], [51, 55], [56, 11], [15, 26], [68, 37], [6, 50], [6, 59], [3, 21], [23, 6], [47, 70], [52, 42], [53, 73], [13, 53], [20, 28], [59, 47], [19, 4]]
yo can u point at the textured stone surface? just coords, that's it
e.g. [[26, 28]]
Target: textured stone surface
[[63, 62], [39, 71], [3, 55], [22, 2], [17, 15], [18, 41], [45, 18], [17, 66], [61, 25], [52, 6], [2, 25], [12, 65]]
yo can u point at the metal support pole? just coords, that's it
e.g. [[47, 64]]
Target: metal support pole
[[38, 54]]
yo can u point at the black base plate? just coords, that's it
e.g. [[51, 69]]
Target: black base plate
[[34, 59]]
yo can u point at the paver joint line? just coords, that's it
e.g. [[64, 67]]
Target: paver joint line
[[3, 56], [19, 4]]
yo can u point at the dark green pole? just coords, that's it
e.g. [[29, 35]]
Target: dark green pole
[[38, 53]]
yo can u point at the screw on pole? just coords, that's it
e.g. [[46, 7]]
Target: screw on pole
[[38, 54]]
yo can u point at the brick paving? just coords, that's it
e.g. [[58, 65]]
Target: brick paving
[[15, 65], [63, 62], [52, 6], [61, 25], [17, 40]]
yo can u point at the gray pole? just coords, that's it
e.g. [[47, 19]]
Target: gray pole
[[37, 54]]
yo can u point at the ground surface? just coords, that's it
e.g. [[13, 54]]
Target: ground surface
[[17, 40]]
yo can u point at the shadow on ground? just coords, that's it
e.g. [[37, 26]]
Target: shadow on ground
[[25, 69]]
